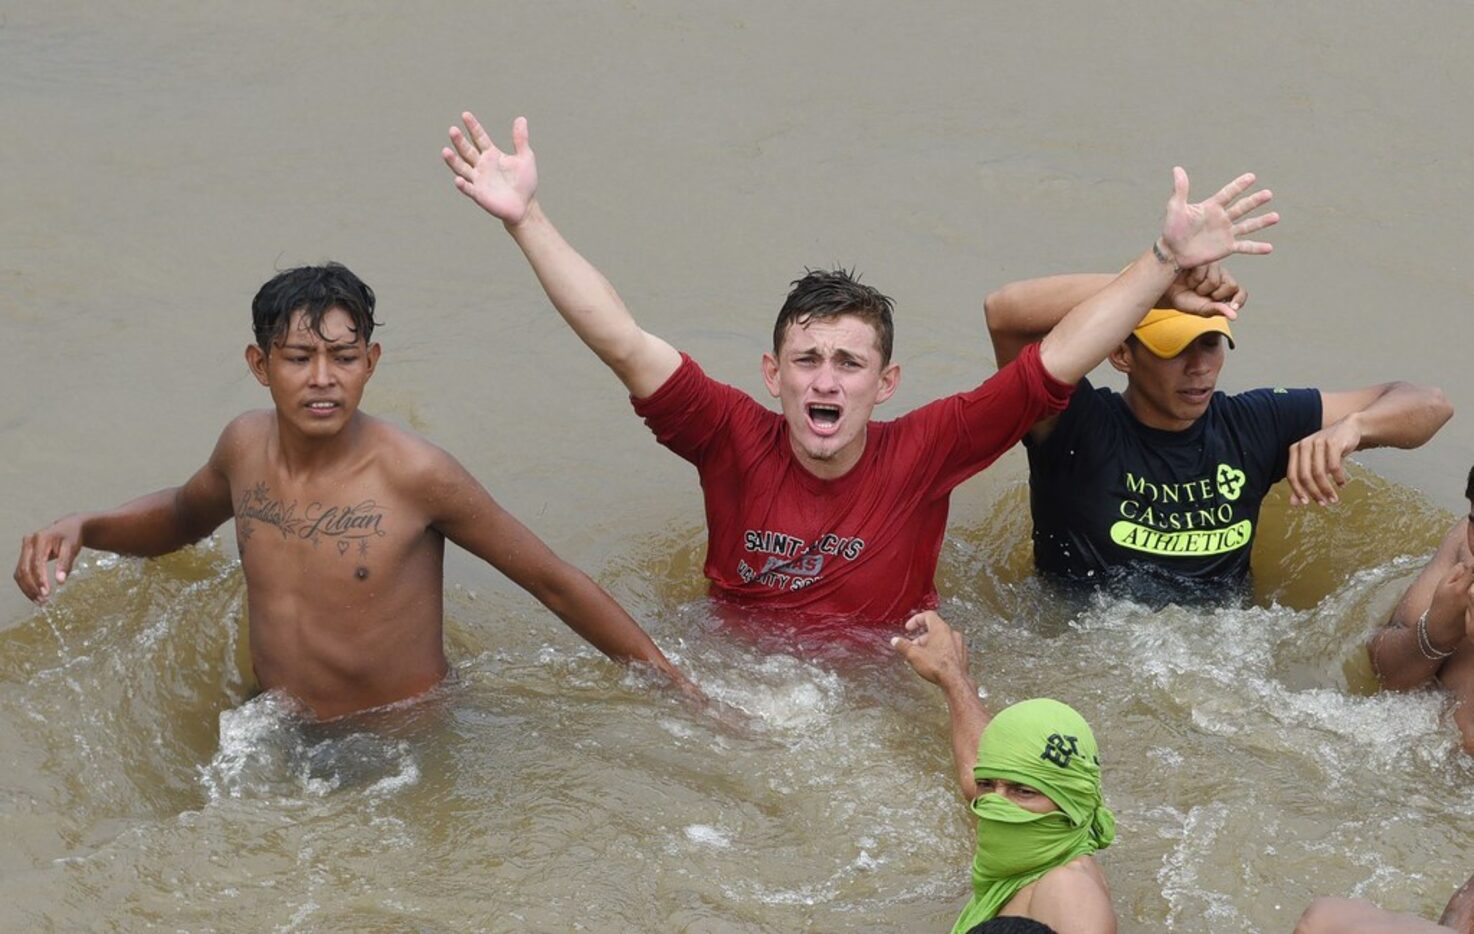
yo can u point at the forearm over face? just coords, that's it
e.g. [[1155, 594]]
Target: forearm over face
[[1094, 327]]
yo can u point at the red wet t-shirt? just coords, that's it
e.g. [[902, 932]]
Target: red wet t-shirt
[[862, 547]]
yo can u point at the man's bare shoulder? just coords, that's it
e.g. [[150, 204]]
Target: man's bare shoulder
[[1074, 898], [411, 459], [244, 433]]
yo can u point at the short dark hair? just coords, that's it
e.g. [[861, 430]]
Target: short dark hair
[[312, 290], [1469, 485], [824, 294], [1011, 924]]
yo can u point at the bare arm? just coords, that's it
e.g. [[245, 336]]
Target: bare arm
[[1023, 312], [151, 525], [1357, 916], [1398, 415], [505, 185], [1193, 235], [1441, 592], [940, 656], [466, 514]]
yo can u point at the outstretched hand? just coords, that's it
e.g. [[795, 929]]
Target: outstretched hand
[[1195, 234], [58, 542], [502, 183]]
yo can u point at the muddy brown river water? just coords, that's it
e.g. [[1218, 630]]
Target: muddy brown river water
[[161, 160]]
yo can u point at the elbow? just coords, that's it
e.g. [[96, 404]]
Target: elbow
[[1391, 679], [1439, 407], [997, 309], [1429, 409]]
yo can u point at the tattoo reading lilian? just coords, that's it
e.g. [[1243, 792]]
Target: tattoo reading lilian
[[345, 524]]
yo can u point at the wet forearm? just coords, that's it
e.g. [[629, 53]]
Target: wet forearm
[[1029, 309], [968, 718], [1403, 416], [582, 295], [1403, 659], [145, 527], [1095, 326], [589, 611]]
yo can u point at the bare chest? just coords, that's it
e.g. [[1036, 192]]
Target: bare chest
[[329, 531]]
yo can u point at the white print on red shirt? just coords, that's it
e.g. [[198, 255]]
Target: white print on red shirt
[[792, 563]]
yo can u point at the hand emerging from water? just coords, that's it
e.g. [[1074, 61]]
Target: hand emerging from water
[[934, 649], [1206, 232], [60, 541], [504, 184]]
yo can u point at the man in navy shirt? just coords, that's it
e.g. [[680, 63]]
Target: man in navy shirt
[[1163, 483]]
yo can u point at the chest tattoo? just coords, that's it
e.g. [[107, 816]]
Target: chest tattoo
[[347, 526]]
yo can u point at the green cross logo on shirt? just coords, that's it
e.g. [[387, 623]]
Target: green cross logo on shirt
[[1230, 481]]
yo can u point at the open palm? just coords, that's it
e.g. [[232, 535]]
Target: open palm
[[1210, 230], [502, 183]]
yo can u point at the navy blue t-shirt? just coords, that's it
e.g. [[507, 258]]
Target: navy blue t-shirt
[[1108, 494]]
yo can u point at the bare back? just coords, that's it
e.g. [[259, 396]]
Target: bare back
[[343, 566]]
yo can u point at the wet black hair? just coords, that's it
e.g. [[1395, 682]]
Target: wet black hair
[[1469, 485], [1011, 924], [825, 294], [312, 290]]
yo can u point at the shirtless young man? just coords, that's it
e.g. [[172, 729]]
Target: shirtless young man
[[1031, 776], [818, 512], [341, 519], [1431, 634]]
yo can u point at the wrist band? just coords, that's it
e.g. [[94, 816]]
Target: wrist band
[[1425, 645], [1163, 256]]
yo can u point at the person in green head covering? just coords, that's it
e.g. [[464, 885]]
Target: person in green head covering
[[1031, 776]]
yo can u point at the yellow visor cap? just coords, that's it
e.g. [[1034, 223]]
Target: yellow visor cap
[[1166, 332]]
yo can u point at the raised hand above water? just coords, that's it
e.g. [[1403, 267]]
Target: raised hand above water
[[502, 183], [1205, 232]]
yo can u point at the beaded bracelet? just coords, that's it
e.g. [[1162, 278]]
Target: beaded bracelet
[[1425, 645]]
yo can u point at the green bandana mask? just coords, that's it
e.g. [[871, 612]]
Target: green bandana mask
[[1046, 745]]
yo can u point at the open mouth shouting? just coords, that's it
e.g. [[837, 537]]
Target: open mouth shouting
[[823, 417]]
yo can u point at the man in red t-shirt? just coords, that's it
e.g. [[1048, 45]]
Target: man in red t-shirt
[[819, 512]]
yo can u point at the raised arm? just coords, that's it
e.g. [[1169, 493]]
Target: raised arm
[[940, 656], [1398, 415], [1022, 313], [466, 514], [1435, 603], [151, 525], [1193, 235], [505, 185]]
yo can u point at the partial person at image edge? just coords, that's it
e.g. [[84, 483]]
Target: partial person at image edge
[[1358, 916], [1430, 637]]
